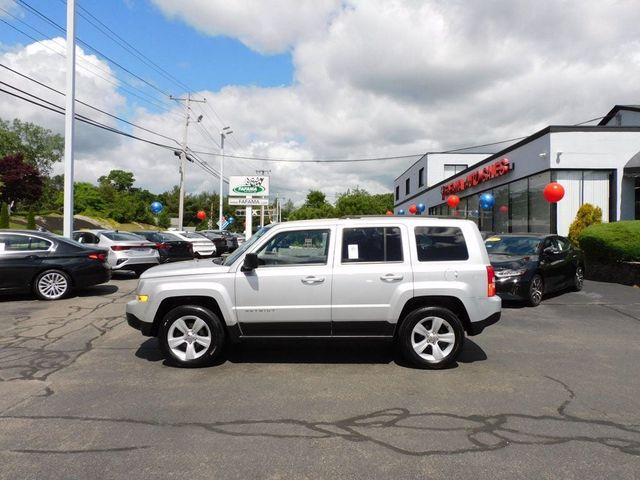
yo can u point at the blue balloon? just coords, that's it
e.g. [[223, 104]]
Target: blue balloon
[[487, 201], [401, 212], [421, 207], [231, 220], [156, 207]]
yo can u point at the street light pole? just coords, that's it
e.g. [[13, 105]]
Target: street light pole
[[223, 134], [69, 115]]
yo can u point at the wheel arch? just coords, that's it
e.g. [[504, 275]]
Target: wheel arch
[[451, 303], [198, 300]]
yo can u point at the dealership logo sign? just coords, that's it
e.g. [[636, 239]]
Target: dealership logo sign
[[497, 169], [248, 186]]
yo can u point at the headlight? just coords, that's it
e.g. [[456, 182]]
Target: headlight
[[510, 273]]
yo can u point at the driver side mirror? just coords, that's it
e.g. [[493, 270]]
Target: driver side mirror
[[250, 262], [549, 251]]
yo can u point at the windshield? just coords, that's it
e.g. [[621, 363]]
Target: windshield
[[512, 245], [237, 253]]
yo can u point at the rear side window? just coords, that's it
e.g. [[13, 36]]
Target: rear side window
[[376, 244], [440, 244]]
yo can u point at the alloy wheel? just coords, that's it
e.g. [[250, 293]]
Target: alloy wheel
[[52, 285], [189, 337], [433, 339]]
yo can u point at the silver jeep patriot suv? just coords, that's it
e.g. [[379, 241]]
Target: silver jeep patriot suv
[[421, 281]]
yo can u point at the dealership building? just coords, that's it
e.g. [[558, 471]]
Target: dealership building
[[597, 164]]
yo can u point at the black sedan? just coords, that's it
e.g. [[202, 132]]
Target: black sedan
[[170, 247], [528, 266], [48, 265]]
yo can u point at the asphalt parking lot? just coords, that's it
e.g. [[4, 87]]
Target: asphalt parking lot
[[548, 392]]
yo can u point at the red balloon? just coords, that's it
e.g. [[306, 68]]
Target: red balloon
[[413, 209], [389, 212], [503, 209], [553, 192], [453, 201], [201, 215]]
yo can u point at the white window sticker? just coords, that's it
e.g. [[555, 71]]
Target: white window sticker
[[353, 252], [1, 247]]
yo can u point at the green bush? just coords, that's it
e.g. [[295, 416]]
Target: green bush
[[4, 215], [612, 242], [31, 220], [587, 215]]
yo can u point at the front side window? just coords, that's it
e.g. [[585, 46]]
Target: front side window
[[440, 244], [297, 247], [375, 244]]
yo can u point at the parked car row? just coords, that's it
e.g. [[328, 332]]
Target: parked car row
[[50, 266]]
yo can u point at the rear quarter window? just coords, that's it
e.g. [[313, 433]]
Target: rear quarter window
[[440, 244]]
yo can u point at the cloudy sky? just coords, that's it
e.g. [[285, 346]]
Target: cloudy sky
[[315, 80]]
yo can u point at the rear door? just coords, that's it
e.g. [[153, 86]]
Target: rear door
[[289, 294], [372, 275]]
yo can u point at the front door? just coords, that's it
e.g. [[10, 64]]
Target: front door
[[289, 294]]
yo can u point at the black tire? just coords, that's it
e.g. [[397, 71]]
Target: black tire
[[578, 278], [52, 285], [191, 343], [431, 355], [536, 290]]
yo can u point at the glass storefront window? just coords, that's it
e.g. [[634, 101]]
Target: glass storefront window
[[518, 198], [501, 209], [539, 208], [473, 208]]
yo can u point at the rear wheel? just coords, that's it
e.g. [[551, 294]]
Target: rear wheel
[[52, 285], [191, 336], [431, 337], [536, 289]]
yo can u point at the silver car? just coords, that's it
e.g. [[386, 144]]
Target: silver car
[[126, 251], [202, 246]]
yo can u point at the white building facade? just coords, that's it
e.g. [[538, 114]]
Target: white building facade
[[599, 165]]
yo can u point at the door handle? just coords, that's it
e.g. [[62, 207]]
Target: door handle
[[391, 277], [311, 280]]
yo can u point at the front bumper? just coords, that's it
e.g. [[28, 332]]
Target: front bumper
[[144, 327], [512, 288]]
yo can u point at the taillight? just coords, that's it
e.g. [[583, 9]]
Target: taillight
[[99, 256], [117, 248], [491, 281], [163, 246]]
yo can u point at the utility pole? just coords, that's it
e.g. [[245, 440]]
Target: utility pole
[[69, 115], [183, 153], [263, 173], [223, 134]]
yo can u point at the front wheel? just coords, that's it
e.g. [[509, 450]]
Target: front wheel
[[536, 289], [191, 336], [52, 285], [431, 337]]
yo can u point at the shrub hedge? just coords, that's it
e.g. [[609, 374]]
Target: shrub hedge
[[612, 242]]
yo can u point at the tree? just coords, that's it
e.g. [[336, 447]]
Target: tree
[[315, 206], [21, 181], [587, 215], [360, 202], [119, 180], [4, 215], [40, 147], [87, 198], [31, 220]]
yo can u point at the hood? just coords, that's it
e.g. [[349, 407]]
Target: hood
[[190, 267], [511, 262]]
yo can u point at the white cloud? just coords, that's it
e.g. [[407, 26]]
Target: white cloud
[[267, 26], [374, 78]]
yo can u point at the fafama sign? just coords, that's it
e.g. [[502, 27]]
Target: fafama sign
[[248, 186]]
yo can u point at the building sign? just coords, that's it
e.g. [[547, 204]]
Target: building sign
[[497, 169], [240, 186], [248, 201]]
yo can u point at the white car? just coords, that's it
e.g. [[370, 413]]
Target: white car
[[421, 281], [126, 251], [202, 246]]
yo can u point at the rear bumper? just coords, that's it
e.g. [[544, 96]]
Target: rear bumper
[[144, 327], [477, 327]]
